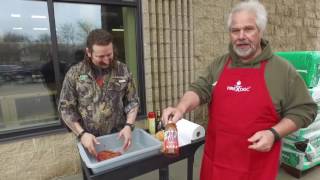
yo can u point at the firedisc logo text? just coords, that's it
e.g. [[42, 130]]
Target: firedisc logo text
[[238, 87]]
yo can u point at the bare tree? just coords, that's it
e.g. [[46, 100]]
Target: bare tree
[[84, 29], [13, 37], [66, 34]]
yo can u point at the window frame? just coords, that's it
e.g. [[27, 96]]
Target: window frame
[[58, 126]]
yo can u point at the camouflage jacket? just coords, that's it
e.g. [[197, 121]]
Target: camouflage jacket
[[97, 109]]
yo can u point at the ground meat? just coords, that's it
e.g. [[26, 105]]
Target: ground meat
[[104, 155]]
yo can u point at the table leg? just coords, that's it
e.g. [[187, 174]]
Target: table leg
[[84, 174], [164, 173], [190, 167]]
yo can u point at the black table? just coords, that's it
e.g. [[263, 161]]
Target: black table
[[142, 166]]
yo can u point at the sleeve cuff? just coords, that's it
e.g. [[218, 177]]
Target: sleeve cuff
[[130, 106], [71, 117], [198, 92], [298, 121]]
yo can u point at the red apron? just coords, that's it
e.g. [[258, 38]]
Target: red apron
[[240, 106]]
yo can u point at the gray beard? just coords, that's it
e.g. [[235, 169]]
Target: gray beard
[[243, 53]]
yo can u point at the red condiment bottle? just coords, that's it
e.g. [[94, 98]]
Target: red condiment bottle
[[170, 143], [152, 122]]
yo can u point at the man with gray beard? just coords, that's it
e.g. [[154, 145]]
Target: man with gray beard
[[255, 98]]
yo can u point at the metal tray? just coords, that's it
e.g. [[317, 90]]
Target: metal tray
[[143, 145]]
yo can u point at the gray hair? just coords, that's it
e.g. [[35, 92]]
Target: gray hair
[[253, 6]]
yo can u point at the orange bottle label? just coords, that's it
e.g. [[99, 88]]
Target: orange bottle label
[[171, 145]]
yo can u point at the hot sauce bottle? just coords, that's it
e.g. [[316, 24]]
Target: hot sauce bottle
[[158, 121], [170, 143]]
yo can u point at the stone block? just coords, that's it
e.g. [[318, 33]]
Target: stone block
[[146, 34], [43, 143], [270, 7], [312, 32], [152, 6], [298, 22], [316, 24], [309, 5], [61, 168], [145, 6], [154, 49], [199, 11], [308, 22], [147, 66], [274, 20], [152, 21], [145, 20], [146, 51], [9, 176], [29, 175], [8, 164], [223, 3], [148, 80], [318, 14], [16, 147], [160, 49], [149, 106], [301, 12]]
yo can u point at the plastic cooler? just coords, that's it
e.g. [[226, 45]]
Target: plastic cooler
[[307, 64], [143, 145]]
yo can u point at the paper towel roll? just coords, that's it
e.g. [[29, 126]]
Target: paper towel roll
[[188, 131]]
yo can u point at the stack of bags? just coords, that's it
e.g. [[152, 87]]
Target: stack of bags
[[301, 149]]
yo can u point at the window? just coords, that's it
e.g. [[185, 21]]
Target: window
[[26, 99], [38, 48], [75, 21]]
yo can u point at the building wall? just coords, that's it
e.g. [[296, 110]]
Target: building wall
[[39, 158], [181, 37], [168, 51]]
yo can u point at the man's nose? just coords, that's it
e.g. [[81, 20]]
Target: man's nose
[[106, 60], [242, 34]]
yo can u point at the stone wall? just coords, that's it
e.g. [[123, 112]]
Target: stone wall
[[168, 50], [293, 24], [40, 158], [181, 37]]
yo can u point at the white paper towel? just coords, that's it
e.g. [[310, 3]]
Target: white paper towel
[[188, 131]]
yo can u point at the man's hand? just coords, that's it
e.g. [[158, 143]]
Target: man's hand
[[262, 141], [125, 133], [89, 141], [171, 111]]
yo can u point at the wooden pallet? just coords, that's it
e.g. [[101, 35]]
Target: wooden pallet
[[293, 171]]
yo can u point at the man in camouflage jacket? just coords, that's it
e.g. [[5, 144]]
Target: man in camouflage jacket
[[98, 95]]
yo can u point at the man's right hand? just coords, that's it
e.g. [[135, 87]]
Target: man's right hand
[[89, 141], [171, 111]]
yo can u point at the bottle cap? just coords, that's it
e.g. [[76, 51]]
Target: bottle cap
[[151, 115]]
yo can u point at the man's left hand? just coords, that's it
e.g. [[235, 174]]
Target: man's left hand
[[262, 141], [125, 133]]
